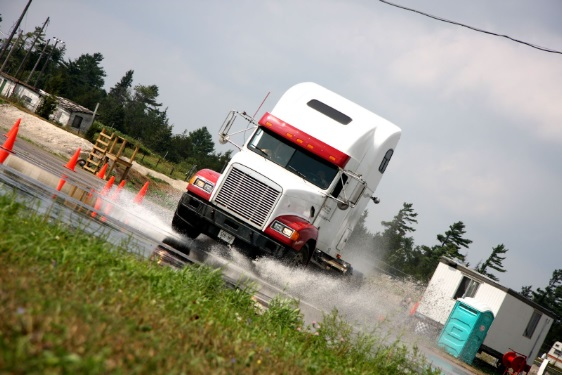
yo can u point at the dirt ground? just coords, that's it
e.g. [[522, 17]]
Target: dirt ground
[[62, 142]]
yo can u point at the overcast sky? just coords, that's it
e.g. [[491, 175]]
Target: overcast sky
[[481, 115]]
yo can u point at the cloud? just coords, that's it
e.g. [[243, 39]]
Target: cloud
[[514, 81]]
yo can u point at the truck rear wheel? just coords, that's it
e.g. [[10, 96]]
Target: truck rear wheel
[[297, 258]]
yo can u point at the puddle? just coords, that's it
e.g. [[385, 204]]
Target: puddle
[[79, 201]]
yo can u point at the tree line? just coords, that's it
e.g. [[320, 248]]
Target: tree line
[[132, 109], [394, 251]]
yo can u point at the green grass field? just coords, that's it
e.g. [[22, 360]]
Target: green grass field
[[71, 303]]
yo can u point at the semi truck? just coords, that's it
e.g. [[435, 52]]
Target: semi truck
[[299, 182]]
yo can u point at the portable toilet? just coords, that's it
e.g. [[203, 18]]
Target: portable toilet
[[466, 329]]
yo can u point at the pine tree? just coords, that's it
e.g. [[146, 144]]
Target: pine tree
[[452, 241], [449, 245], [112, 108], [551, 298], [84, 80], [494, 262], [145, 121], [526, 291], [397, 245]]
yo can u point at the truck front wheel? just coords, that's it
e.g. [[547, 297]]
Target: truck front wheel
[[297, 258], [183, 228]]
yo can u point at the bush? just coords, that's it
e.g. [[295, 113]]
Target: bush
[[93, 131], [47, 106]]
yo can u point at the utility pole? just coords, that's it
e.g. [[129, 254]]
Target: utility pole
[[46, 61], [9, 40], [37, 35], [10, 52], [39, 59]]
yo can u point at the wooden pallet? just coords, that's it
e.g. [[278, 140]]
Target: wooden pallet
[[118, 159], [98, 154]]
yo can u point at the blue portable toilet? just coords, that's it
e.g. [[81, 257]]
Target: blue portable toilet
[[466, 329]]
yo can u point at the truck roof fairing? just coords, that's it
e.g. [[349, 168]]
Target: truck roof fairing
[[299, 107]]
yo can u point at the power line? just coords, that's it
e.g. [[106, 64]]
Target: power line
[[9, 40], [472, 28]]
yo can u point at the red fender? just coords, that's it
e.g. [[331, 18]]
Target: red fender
[[208, 176], [305, 230]]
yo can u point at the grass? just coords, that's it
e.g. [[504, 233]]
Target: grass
[[73, 303]]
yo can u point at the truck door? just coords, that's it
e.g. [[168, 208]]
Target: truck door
[[334, 218]]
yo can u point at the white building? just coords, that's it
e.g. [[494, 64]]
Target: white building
[[12, 87], [519, 324], [72, 115], [67, 113]]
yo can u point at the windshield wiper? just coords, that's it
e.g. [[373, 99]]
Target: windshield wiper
[[298, 173]]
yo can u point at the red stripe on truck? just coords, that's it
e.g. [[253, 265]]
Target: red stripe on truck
[[304, 140]]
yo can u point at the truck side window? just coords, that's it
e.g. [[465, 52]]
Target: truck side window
[[385, 160], [339, 186]]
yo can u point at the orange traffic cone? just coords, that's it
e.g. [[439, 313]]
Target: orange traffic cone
[[108, 186], [9, 144], [90, 193], [73, 160], [103, 193], [3, 155], [118, 190], [62, 181], [140, 196], [97, 206], [101, 173], [113, 197], [16, 125]]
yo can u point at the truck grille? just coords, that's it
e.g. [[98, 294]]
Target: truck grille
[[247, 197]]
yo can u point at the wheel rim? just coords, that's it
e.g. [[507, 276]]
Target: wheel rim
[[298, 258]]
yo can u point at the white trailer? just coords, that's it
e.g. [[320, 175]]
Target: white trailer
[[519, 324], [299, 183], [554, 355]]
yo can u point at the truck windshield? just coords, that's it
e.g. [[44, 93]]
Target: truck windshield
[[293, 158]]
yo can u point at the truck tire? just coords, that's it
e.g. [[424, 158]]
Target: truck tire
[[184, 229], [355, 279], [297, 258]]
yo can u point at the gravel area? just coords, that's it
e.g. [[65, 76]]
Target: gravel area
[[60, 141]]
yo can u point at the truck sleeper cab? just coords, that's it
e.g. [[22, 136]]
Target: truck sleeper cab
[[298, 185]]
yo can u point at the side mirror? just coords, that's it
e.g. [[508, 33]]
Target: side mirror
[[343, 206], [224, 138]]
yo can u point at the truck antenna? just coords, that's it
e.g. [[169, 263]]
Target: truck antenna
[[263, 101]]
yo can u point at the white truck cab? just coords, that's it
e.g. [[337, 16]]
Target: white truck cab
[[299, 183]]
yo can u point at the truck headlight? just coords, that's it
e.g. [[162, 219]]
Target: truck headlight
[[205, 185], [285, 230]]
